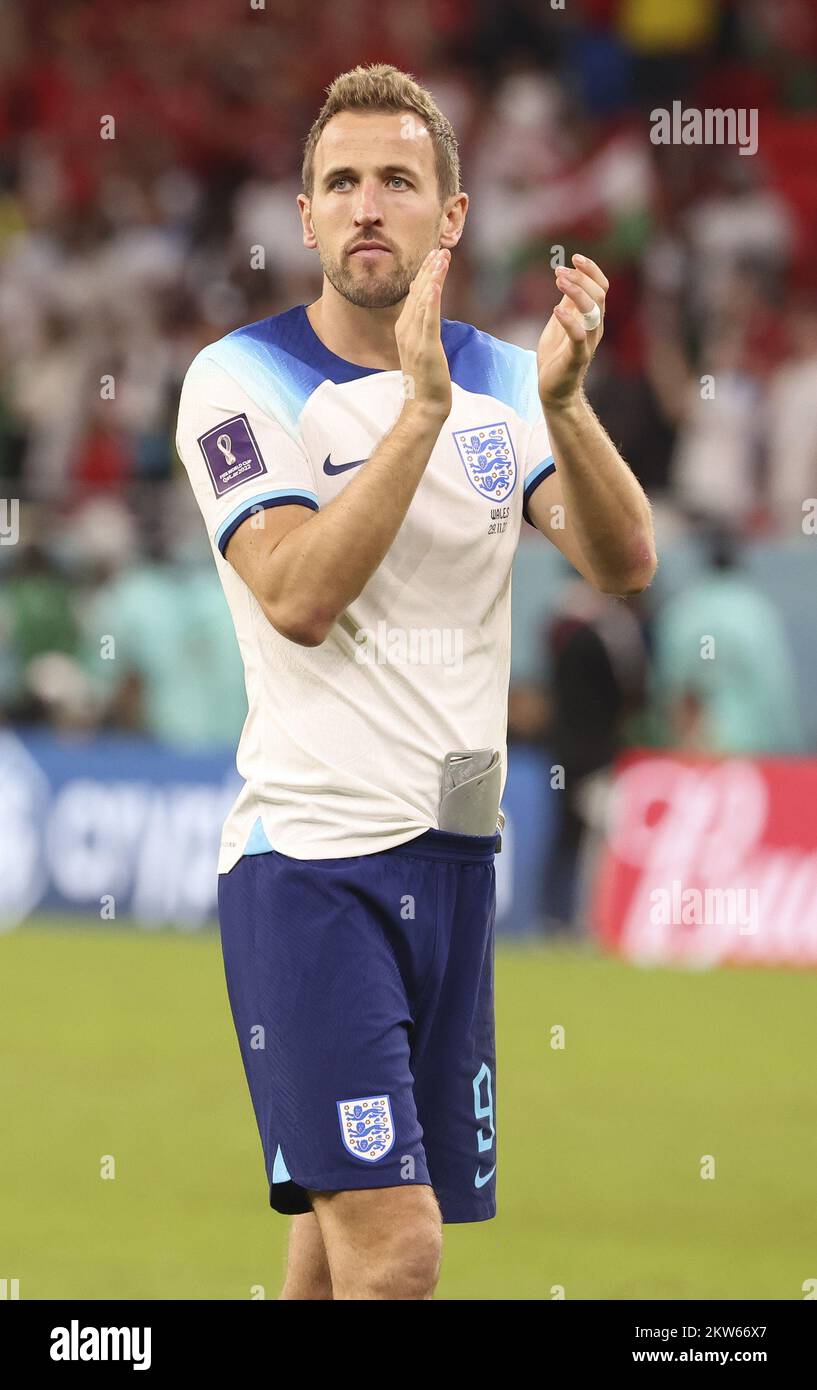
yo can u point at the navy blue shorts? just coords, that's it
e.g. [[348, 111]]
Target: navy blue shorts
[[362, 995]]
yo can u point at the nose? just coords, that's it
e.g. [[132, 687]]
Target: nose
[[368, 207]]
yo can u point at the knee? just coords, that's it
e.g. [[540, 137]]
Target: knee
[[421, 1261], [408, 1265]]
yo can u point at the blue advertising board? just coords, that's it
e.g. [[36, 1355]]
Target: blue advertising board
[[124, 829]]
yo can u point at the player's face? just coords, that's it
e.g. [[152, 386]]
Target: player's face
[[375, 182]]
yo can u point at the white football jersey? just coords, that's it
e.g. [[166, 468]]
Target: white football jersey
[[343, 745]]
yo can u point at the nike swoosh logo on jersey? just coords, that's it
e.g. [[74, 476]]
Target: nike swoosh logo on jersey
[[480, 1181], [333, 468]]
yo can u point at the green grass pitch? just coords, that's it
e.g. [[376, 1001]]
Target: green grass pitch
[[120, 1042]]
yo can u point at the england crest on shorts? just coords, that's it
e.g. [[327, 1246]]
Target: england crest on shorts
[[367, 1126], [489, 460]]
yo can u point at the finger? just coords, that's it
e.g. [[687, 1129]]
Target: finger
[[416, 294], [435, 273], [572, 326], [412, 299], [432, 298], [583, 301], [425, 272], [590, 268], [589, 285]]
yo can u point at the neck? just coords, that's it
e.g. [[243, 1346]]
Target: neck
[[362, 336]]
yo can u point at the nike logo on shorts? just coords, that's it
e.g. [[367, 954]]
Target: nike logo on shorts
[[480, 1181], [333, 468]]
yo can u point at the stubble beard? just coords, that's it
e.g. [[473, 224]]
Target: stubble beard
[[371, 290]]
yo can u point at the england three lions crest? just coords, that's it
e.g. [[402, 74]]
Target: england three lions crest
[[489, 460], [367, 1126]]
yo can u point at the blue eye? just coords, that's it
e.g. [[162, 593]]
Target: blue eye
[[343, 178]]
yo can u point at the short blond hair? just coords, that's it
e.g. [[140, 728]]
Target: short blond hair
[[381, 87]]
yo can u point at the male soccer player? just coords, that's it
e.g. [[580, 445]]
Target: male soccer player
[[363, 468]]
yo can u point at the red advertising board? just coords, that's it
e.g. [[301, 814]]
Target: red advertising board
[[710, 860]]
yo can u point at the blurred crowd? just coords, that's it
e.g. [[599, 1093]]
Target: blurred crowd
[[150, 164]]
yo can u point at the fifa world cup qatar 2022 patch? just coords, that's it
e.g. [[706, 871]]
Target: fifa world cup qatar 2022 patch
[[367, 1126], [232, 454]]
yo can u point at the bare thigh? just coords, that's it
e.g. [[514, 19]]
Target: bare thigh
[[383, 1242]]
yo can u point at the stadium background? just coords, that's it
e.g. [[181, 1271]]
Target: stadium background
[[120, 258]]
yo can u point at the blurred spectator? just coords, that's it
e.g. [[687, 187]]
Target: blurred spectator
[[160, 648], [598, 664], [48, 392], [37, 618], [723, 671], [714, 468], [792, 423], [737, 220]]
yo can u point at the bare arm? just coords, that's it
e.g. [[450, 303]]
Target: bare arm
[[305, 568], [604, 525], [593, 508]]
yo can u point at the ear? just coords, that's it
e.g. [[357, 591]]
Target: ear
[[304, 207], [453, 220]]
